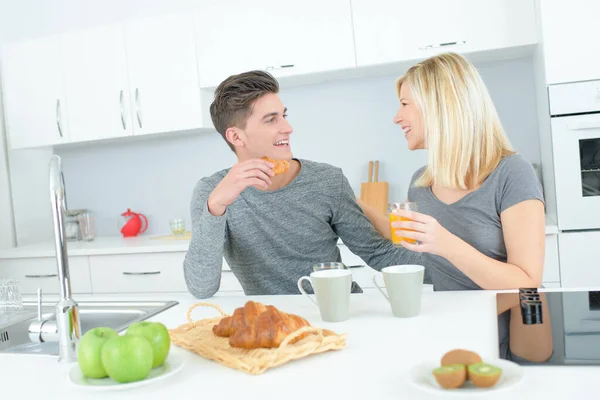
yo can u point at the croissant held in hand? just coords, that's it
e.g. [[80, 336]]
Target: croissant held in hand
[[242, 316], [269, 330]]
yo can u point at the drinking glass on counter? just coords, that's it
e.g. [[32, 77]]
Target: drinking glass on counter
[[86, 226], [328, 265], [177, 226], [10, 296], [412, 206]]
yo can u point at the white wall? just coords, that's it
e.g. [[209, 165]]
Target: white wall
[[344, 123], [7, 236]]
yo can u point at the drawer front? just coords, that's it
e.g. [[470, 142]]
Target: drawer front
[[229, 283], [34, 273], [138, 273]]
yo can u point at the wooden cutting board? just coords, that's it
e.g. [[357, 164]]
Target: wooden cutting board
[[375, 192]]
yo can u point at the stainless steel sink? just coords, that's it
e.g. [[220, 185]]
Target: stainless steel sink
[[14, 329]]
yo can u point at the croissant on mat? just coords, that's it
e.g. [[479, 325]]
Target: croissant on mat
[[268, 331], [241, 317]]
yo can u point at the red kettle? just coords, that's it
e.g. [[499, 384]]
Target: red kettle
[[132, 224]]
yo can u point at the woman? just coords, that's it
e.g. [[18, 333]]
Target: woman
[[481, 222]]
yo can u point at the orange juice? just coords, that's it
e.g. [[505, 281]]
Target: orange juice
[[395, 238]]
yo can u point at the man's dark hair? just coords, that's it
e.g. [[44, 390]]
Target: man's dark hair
[[235, 97]]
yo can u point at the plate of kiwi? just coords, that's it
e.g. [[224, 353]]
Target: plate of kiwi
[[464, 372]]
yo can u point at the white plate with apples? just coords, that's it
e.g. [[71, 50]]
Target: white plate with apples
[[109, 361]]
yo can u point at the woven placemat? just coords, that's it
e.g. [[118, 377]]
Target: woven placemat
[[198, 337]]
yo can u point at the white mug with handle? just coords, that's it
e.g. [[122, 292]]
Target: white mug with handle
[[404, 284], [332, 290]]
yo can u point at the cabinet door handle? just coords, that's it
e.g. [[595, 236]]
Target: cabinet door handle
[[42, 276], [271, 68], [142, 273], [434, 46], [137, 106], [122, 109], [584, 125], [58, 117]]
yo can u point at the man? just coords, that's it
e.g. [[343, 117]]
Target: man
[[272, 229]]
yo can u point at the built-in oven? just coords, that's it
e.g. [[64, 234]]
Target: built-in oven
[[575, 117]]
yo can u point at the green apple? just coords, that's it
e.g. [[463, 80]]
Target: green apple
[[127, 358], [158, 336], [89, 350]]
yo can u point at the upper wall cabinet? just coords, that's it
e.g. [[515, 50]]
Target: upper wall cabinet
[[571, 45], [301, 37], [163, 74], [397, 30], [97, 83], [34, 93], [135, 78]]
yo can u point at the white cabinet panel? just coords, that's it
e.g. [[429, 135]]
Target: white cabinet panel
[[34, 273], [579, 255], [97, 84], [138, 273], [570, 40], [551, 263], [34, 92], [163, 74], [308, 36], [391, 30]]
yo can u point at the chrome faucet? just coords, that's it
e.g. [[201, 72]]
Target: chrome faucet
[[66, 329]]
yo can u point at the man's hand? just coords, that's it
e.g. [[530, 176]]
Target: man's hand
[[254, 172]]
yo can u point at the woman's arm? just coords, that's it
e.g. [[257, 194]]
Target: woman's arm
[[379, 221], [523, 226]]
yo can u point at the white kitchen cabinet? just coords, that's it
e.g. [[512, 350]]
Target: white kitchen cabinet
[[303, 37], [388, 31], [97, 84], [364, 275], [579, 259], [138, 273], [42, 272], [163, 74], [34, 93], [570, 40], [551, 261]]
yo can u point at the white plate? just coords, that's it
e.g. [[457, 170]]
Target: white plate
[[171, 366], [421, 376]]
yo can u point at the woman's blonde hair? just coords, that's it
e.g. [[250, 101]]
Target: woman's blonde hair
[[463, 134]]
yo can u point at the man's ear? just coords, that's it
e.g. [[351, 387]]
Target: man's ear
[[235, 136]]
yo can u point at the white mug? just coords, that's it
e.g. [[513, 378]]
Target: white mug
[[404, 284], [332, 289]]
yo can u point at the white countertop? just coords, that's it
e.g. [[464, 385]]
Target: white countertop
[[380, 351], [119, 245]]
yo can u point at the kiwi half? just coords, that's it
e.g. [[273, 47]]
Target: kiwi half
[[484, 375], [451, 376], [460, 356]]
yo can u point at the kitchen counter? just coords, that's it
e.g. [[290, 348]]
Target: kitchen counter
[[380, 351], [135, 245]]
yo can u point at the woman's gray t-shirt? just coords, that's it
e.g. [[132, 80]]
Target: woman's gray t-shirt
[[475, 218]]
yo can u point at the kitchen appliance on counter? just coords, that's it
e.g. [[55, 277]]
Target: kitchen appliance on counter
[[575, 119], [564, 326], [132, 223], [79, 225]]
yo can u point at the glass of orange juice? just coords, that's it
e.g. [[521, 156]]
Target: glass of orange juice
[[412, 206]]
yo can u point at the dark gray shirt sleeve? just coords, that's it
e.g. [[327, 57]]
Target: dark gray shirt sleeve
[[204, 259], [357, 232]]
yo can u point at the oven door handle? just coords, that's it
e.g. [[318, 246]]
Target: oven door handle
[[584, 125]]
